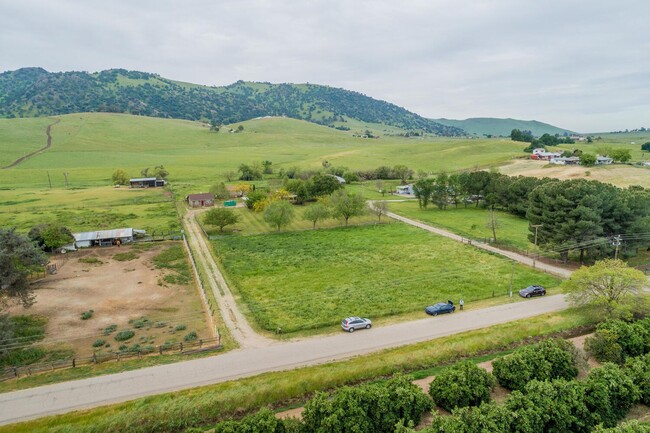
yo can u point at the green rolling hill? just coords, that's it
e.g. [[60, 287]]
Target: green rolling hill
[[502, 127]]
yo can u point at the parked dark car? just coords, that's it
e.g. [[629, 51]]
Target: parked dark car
[[531, 291], [440, 308], [351, 323]]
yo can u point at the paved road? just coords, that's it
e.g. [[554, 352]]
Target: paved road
[[97, 391]]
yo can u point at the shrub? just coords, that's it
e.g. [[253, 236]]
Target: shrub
[[627, 427], [191, 336], [368, 408], [110, 329], [639, 370], [547, 360], [123, 347], [87, 315], [160, 324], [615, 340], [263, 421], [180, 328], [610, 393], [140, 323], [127, 334], [463, 384], [99, 343]]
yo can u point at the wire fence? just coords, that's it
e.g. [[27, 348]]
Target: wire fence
[[201, 345]]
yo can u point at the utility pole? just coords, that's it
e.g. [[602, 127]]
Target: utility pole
[[512, 275], [617, 243], [49, 180], [535, 252], [65, 174]]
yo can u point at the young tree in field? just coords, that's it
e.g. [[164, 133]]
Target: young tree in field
[[120, 177], [346, 205], [18, 256], [380, 208], [316, 212], [220, 191], [221, 217], [402, 172], [267, 167], [279, 214], [379, 184], [609, 284], [230, 175], [493, 223], [242, 188]]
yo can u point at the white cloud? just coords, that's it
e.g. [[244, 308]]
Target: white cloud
[[578, 64]]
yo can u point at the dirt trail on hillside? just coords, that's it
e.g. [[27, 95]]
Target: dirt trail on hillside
[[36, 152]]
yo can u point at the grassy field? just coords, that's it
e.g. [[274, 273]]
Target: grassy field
[[91, 146], [177, 411], [311, 279], [89, 208], [470, 222]]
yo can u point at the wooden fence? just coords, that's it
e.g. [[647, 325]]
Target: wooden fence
[[205, 344]]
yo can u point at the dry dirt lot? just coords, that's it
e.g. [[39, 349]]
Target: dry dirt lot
[[117, 292], [616, 174]]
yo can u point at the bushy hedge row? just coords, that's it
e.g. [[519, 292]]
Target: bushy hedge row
[[547, 360], [616, 340], [551, 406], [373, 408], [463, 384]]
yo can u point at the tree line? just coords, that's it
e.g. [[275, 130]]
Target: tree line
[[570, 215]]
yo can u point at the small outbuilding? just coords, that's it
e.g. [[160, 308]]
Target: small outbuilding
[[103, 238], [200, 200], [404, 189], [147, 182]]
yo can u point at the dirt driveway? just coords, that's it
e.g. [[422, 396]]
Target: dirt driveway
[[117, 292]]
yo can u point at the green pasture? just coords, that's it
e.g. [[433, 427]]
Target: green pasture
[[19, 137], [252, 223], [470, 222], [312, 279], [89, 208], [90, 146]]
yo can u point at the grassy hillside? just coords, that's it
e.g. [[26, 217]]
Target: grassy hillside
[[502, 127], [32, 92], [91, 146]]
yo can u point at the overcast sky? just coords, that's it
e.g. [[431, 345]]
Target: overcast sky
[[577, 64]]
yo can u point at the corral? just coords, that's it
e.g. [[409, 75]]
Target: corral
[[125, 288]]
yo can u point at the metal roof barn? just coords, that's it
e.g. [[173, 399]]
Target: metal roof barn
[[103, 237]]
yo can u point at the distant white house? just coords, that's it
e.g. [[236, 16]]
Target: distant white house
[[404, 189], [570, 160], [540, 153], [339, 178]]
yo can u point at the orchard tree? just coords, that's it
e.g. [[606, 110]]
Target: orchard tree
[[221, 217], [609, 284], [345, 205], [316, 212], [279, 213], [120, 177], [18, 257]]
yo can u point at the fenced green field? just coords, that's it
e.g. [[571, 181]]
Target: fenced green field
[[312, 279], [470, 222]]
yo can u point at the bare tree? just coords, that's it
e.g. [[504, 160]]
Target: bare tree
[[380, 208]]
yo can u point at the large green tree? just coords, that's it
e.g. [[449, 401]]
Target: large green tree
[[50, 236], [120, 177], [346, 205], [279, 213], [18, 257], [609, 284], [221, 217], [423, 189]]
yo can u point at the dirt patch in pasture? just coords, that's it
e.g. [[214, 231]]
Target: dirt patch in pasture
[[117, 292], [616, 174]]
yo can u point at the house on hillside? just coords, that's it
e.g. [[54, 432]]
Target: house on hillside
[[200, 200], [542, 154], [404, 189], [147, 182]]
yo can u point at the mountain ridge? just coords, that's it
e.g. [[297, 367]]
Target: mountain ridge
[[34, 92]]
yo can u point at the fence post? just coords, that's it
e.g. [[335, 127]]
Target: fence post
[[139, 354], [200, 343], [74, 362], [181, 346], [219, 337], [160, 348], [15, 371], [94, 357]]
